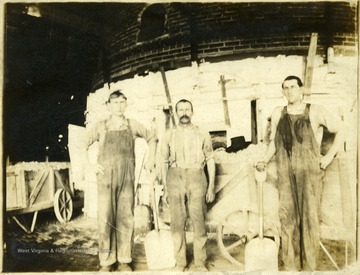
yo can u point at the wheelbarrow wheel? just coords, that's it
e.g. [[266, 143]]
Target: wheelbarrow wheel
[[63, 205], [232, 235]]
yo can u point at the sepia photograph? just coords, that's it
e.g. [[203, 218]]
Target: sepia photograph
[[195, 137]]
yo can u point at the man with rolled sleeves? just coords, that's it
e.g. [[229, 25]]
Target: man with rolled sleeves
[[295, 140], [185, 150], [115, 178]]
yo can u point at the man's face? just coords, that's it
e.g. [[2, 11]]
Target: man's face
[[184, 112], [292, 91], [117, 106]]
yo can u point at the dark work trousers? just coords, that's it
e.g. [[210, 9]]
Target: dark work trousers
[[116, 198], [300, 189], [187, 186]]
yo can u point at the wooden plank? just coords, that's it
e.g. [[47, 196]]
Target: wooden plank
[[34, 221], [259, 119], [238, 177], [38, 187], [32, 208], [167, 92], [24, 188], [14, 195], [51, 183], [310, 63], [336, 233], [58, 177], [23, 227], [224, 100], [221, 181]]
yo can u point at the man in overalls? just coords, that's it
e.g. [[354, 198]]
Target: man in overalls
[[295, 140], [115, 179], [185, 151]]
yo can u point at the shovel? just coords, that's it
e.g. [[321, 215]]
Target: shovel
[[159, 247], [261, 253], [142, 212]]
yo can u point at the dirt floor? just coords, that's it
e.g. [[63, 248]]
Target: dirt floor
[[54, 246]]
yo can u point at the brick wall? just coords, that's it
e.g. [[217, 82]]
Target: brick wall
[[218, 32]]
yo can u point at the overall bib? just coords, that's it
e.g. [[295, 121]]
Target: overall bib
[[116, 197], [300, 189]]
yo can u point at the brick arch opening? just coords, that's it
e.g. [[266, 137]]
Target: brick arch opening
[[152, 23]]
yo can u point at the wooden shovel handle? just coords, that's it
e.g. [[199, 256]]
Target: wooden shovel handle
[[155, 202], [260, 177]]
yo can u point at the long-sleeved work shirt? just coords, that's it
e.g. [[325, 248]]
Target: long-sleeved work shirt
[[97, 133]]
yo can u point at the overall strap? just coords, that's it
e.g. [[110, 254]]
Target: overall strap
[[172, 143], [284, 111], [129, 127], [307, 109], [198, 144], [128, 123]]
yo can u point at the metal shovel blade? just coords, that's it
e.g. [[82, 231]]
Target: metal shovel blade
[[143, 220], [159, 249], [261, 254]]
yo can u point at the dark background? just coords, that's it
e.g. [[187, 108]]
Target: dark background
[[49, 67]]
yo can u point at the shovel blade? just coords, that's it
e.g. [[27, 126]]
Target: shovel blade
[[261, 254], [159, 249], [143, 220]]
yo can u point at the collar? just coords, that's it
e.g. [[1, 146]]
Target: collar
[[185, 127], [118, 125]]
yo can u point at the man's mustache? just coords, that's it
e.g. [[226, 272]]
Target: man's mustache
[[184, 116]]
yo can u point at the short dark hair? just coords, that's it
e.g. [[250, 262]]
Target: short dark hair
[[184, 101], [292, 77], [116, 94]]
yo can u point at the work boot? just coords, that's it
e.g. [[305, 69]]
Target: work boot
[[106, 268], [178, 268], [124, 267], [201, 268]]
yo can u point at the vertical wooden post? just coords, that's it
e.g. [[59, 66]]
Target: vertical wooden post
[[330, 60], [310, 63], [224, 100], [167, 95], [358, 158], [52, 183]]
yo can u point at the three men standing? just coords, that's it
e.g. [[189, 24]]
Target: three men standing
[[295, 139], [296, 134]]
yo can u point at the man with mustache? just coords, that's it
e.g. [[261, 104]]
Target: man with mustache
[[295, 139], [115, 180], [185, 150]]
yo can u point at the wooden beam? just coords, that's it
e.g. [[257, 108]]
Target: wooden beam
[[168, 97], [38, 187], [23, 227], [34, 221], [224, 100], [310, 63], [65, 187], [239, 176], [32, 208]]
